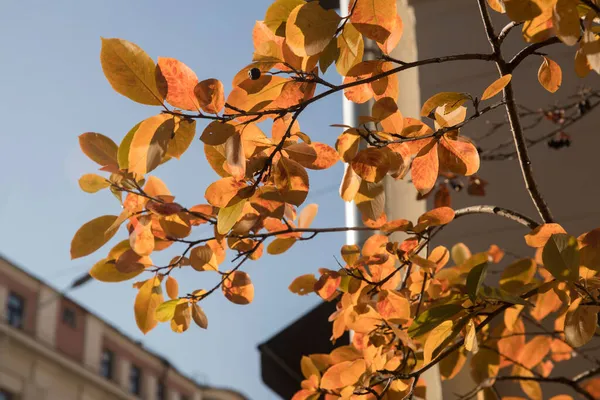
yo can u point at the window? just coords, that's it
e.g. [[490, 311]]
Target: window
[[161, 391], [68, 317], [4, 395], [135, 380], [106, 364], [15, 310]]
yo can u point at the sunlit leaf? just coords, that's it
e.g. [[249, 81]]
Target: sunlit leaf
[[376, 19], [130, 71], [185, 131], [105, 270], [425, 168], [343, 374], [149, 143], [91, 236], [351, 48], [540, 235], [181, 81], [310, 28], [211, 96], [432, 318], [199, 316], [92, 183], [99, 148], [148, 299], [303, 285], [451, 101], [238, 288], [172, 287], [550, 75], [496, 87]]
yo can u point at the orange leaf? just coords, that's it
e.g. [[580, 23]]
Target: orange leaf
[[280, 245], [222, 192], [392, 41], [150, 142], [292, 181], [203, 258], [199, 316], [210, 95], [181, 81], [217, 133], [238, 288], [371, 164], [425, 167], [172, 287], [310, 28], [376, 19], [435, 217], [343, 374], [459, 156], [440, 255], [327, 285], [540, 235], [307, 215], [385, 110], [550, 75], [496, 87], [350, 185], [141, 238]]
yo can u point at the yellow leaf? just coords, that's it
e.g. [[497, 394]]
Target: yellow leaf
[[308, 367], [166, 310], [517, 275], [452, 100], [199, 316], [106, 270], [280, 245], [210, 95], [91, 183], [303, 285], [496, 87], [150, 142], [566, 20], [172, 287], [182, 317], [351, 48], [147, 301], [435, 338], [278, 13], [91, 236], [550, 75], [130, 71], [238, 288], [540, 235], [343, 374], [471, 338], [183, 136], [228, 216], [310, 28], [99, 148]]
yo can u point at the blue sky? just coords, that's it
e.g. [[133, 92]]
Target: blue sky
[[53, 90]]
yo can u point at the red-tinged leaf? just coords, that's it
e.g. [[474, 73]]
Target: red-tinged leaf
[[347, 144], [222, 192], [385, 86], [371, 164], [327, 285], [534, 351], [442, 197], [392, 41], [147, 301], [181, 81], [398, 225], [131, 263], [350, 47], [92, 235], [496, 87], [267, 46], [141, 238], [326, 156], [497, 5], [150, 142], [99, 148], [303, 285], [540, 235], [310, 28], [307, 215], [210, 95], [343, 374], [424, 170], [458, 156], [435, 217], [550, 75], [360, 93], [281, 126], [385, 110], [172, 287], [394, 307], [268, 202], [130, 71], [238, 288], [376, 19]]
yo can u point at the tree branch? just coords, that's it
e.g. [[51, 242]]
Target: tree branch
[[529, 50], [514, 120], [502, 212]]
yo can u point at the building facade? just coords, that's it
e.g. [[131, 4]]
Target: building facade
[[51, 348]]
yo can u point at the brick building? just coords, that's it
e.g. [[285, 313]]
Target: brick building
[[52, 348]]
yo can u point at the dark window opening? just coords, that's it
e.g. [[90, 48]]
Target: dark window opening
[[69, 317], [161, 391], [135, 380], [106, 364], [15, 310]]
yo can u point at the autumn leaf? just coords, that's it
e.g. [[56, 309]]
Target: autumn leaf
[[106, 270], [210, 95], [130, 71], [310, 28], [343, 374], [99, 148], [550, 75], [561, 257], [539, 236], [149, 143], [350, 47], [580, 323], [92, 183], [278, 13], [91, 236], [148, 299], [180, 81], [451, 101], [425, 167], [496, 87], [371, 164], [394, 38], [199, 316], [172, 287], [376, 19], [303, 285], [238, 288]]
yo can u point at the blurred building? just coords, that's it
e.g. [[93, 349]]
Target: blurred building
[[52, 348]]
